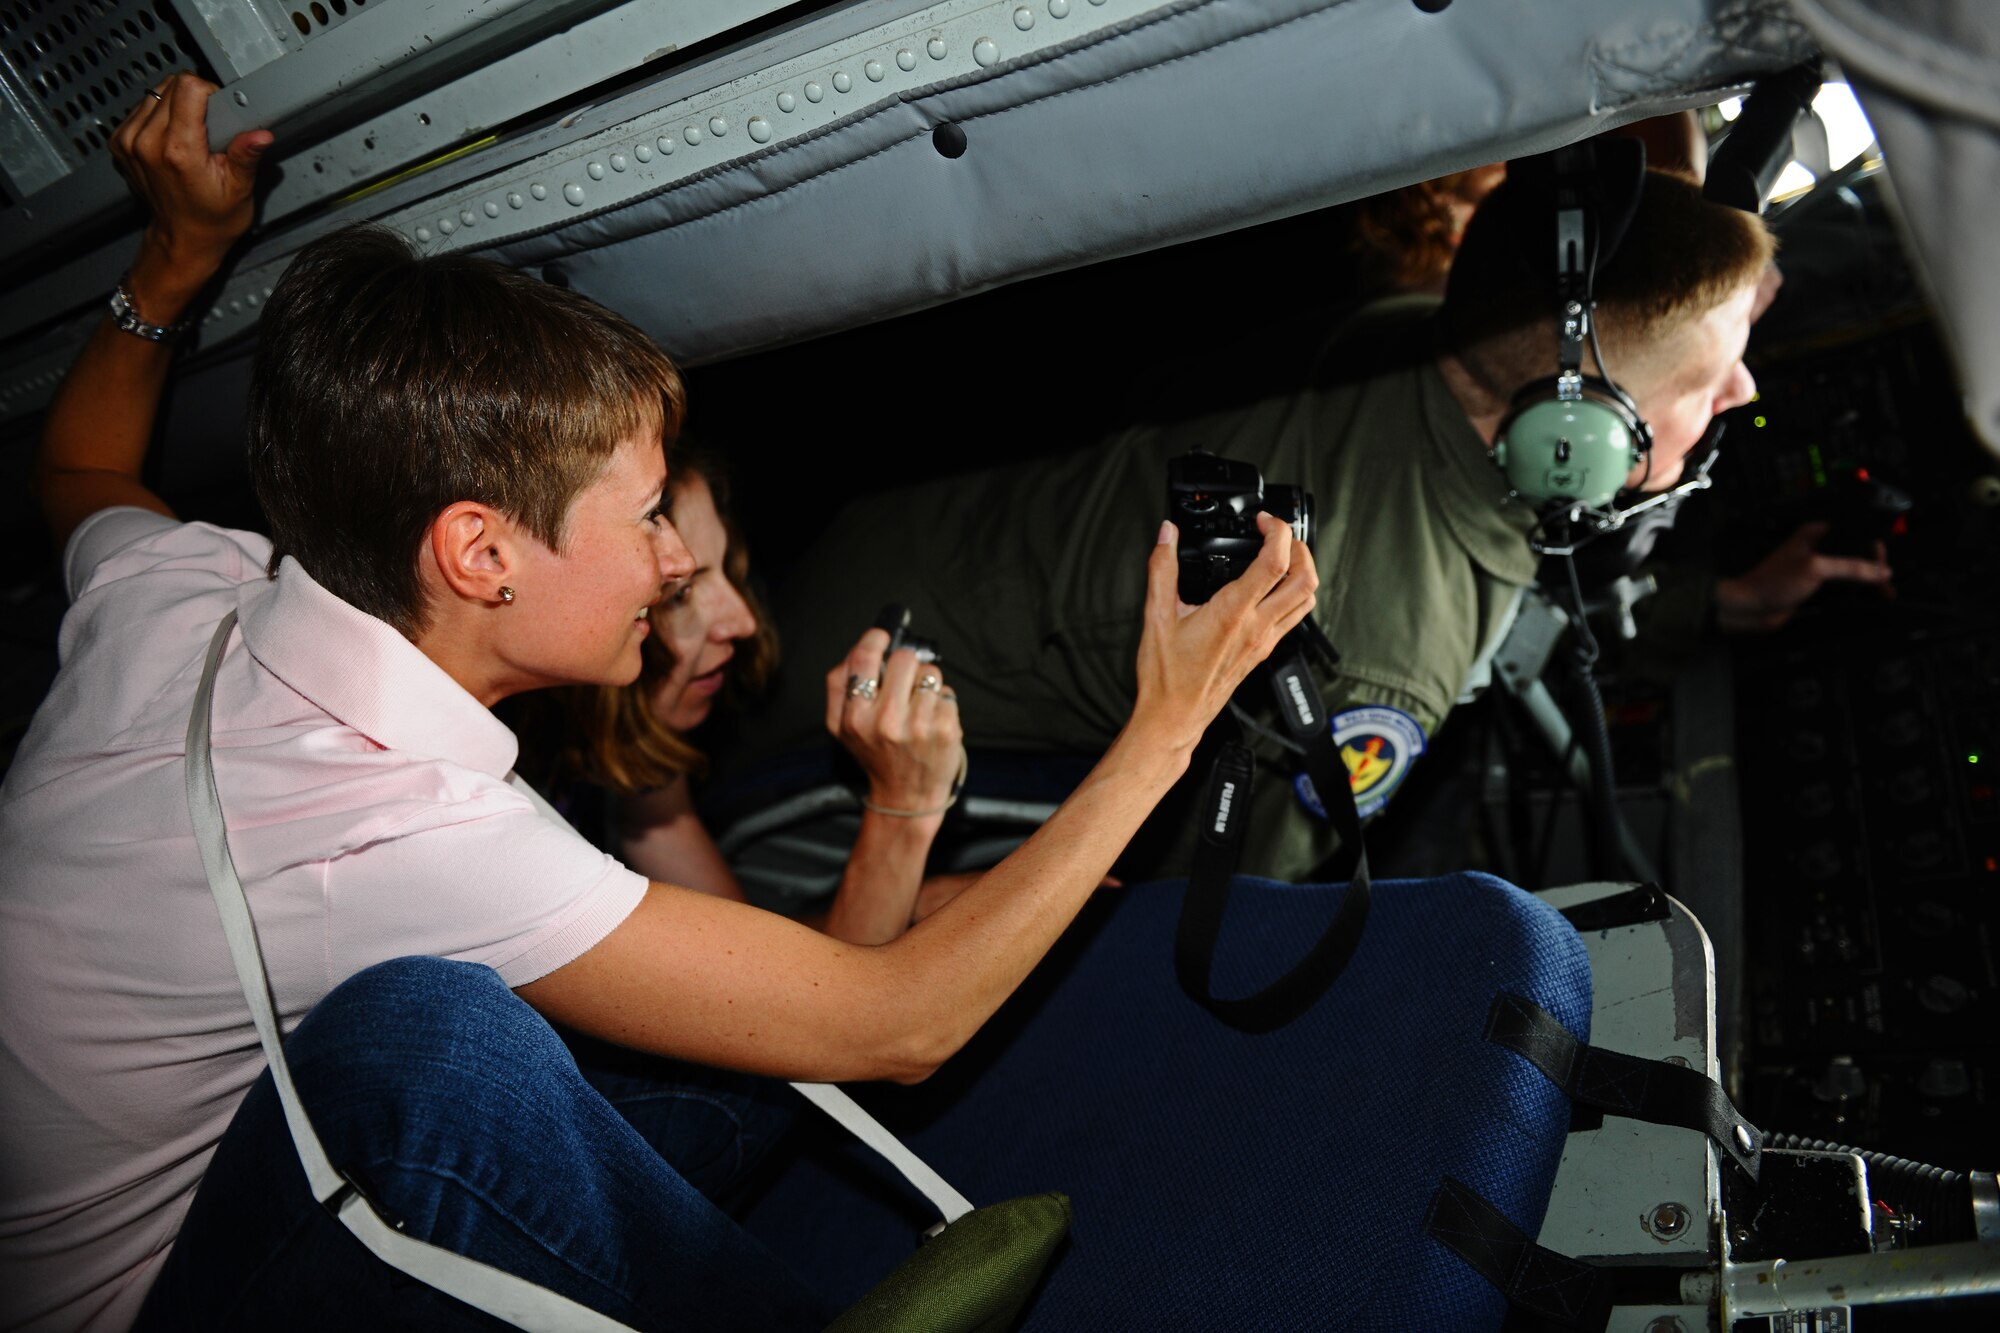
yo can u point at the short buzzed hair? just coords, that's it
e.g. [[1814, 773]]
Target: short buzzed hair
[[1682, 256], [389, 386]]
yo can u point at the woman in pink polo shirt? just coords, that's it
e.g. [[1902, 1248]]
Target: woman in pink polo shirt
[[463, 473]]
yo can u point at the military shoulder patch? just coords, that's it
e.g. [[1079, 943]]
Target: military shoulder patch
[[1378, 744]]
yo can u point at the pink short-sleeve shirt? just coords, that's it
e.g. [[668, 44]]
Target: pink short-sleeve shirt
[[373, 813]]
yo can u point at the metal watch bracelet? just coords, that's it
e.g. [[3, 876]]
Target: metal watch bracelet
[[127, 319]]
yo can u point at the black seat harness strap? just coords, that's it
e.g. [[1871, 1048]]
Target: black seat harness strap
[[1565, 1291], [1544, 1290], [1638, 904], [1224, 812], [1624, 1085]]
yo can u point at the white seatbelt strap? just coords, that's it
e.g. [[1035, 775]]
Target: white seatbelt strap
[[869, 1130], [951, 1205], [500, 1294]]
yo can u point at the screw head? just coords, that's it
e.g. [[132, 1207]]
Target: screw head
[[1668, 1221]]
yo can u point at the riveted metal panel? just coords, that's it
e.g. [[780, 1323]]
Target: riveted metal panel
[[1629, 1192], [790, 183]]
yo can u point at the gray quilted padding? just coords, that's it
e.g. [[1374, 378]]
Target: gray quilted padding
[[1195, 118]]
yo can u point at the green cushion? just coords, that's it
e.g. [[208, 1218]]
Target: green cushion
[[975, 1276]]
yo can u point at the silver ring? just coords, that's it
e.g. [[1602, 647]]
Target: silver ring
[[931, 682], [862, 687], [154, 94]]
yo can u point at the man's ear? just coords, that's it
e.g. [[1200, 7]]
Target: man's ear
[[473, 549]]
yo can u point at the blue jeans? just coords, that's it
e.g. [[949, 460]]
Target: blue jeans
[[463, 1115]]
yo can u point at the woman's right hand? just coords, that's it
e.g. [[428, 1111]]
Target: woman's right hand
[[1192, 658], [900, 720], [906, 735]]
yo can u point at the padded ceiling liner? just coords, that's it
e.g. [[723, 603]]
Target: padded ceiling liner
[[1196, 118]]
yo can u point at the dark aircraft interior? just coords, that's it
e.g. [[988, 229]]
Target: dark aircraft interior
[[1859, 904], [1823, 799]]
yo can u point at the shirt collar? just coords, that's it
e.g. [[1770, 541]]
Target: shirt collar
[[1470, 491], [367, 675]]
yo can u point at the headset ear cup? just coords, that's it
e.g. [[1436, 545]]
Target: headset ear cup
[[1635, 422], [1575, 451]]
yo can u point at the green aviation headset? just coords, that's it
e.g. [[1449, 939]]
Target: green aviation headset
[[1568, 441]]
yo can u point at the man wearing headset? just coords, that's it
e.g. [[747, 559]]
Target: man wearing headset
[[1391, 423]]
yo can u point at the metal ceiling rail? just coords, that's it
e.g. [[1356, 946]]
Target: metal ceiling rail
[[774, 88], [376, 57], [432, 122]]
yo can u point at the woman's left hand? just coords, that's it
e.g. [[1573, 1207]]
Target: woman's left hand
[[904, 731]]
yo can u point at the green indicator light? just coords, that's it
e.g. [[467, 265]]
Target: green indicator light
[[1972, 758], [1757, 422]]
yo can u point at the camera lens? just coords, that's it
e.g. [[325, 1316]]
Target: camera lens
[[1295, 506]]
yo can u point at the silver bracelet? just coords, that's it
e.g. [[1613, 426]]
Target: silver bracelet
[[127, 320], [957, 786]]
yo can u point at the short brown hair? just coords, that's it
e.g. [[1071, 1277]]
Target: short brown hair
[[609, 734], [388, 386], [1681, 257]]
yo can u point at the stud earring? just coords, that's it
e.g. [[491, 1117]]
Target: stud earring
[[506, 593]]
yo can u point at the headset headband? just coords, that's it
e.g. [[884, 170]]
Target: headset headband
[[1568, 441]]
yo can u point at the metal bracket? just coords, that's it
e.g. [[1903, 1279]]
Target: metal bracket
[[1524, 654]]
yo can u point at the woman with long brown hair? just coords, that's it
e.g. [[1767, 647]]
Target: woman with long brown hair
[[620, 762]]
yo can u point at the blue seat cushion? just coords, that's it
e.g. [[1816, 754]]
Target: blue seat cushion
[[1224, 1180]]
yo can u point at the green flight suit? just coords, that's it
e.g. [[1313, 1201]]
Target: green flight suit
[[1031, 578]]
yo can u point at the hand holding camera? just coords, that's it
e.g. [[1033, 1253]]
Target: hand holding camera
[[1192, 657], [1214, 502]]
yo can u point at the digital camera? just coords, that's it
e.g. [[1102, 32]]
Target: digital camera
[[1215, 501]]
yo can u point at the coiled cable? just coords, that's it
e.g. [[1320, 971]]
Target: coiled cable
[[1940, 1200]]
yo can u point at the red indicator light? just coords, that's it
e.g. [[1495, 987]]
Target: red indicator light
[[1901, 527], [1992, 864]]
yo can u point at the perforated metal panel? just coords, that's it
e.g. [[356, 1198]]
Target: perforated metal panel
[[311, 19], [73, 69]]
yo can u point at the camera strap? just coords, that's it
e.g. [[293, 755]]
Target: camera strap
[[1225, 813]]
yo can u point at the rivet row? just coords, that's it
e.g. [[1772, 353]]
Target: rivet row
[[985, 52], [906, 60]]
